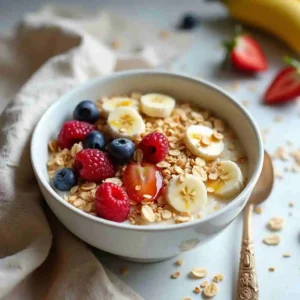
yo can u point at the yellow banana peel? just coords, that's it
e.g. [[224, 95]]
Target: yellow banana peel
[[279, 17]]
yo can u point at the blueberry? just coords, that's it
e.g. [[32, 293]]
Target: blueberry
[[86, 111], [188, 21], [121, 150], [94, 140], [64, 179]]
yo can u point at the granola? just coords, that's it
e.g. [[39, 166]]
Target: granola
[[179, 161]]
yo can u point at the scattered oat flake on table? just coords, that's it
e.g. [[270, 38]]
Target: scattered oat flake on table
[[278, 174], [115, 44], [265, 130], [272, 240], [235, 85], [211, 290], [175, 275], [197, 290], [163, 34], [252, 88], [271, 269], [296, 155], [281, 153], [258, 210], [186, 298], [278, 118], [218, 278], [204, 284], [179, 262], [245, 102], [286, 255], [295, 168], [276, 224], [199, 272]]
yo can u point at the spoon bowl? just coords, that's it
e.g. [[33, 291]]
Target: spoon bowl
[[264, 185]]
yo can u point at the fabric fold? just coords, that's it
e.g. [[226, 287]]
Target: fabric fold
[[54, 54]]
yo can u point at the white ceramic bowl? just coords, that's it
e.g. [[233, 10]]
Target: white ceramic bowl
[[146, 243]]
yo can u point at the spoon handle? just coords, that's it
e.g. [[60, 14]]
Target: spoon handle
[[247, 288]]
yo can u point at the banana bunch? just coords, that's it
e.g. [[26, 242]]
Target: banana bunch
[[279, 17]]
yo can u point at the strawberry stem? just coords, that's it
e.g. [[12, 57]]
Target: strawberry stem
[[292, 62], [229, 45]]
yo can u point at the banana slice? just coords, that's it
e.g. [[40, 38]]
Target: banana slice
[[111, 104], [201, 141], [125, 122], [157, 105], [187, 196], [230, 180]]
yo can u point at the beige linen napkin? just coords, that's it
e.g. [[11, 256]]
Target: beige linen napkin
[[55, 52]]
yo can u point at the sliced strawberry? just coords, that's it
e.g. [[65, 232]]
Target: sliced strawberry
[[142, 181], [286, 85], [245, 54]]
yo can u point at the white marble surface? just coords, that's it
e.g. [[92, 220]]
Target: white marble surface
[[221, 255]]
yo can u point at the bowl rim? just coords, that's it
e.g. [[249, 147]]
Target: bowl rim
[[159, 227]]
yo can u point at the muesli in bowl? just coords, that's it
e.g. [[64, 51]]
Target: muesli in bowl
[[146, 159]]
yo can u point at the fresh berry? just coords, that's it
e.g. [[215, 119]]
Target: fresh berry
[[94, 140], [64, 179], [86, 111], [112, 202], [286, 85], [121, 150], [73, 132], [244, 53], [188, 21], [94, 165], [155, 147], [142, 179]]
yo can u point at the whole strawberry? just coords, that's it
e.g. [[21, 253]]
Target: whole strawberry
[[94, 165], [112, 202], [155, 147], [244, 53], [73, 132]]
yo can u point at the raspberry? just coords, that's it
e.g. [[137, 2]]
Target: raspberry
[[112, 202], [94, 165], [155, 147], [72, 132]]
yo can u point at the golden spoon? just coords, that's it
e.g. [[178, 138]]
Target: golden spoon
[[247, 288]]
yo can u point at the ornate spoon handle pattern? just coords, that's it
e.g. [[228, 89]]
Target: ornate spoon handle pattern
[[247, 288]]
